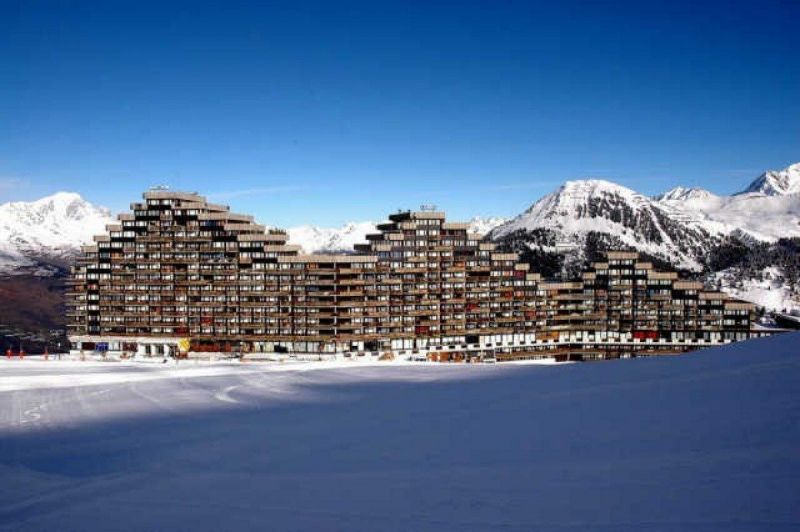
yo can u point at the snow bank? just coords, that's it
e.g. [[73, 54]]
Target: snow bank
[[32, 374]]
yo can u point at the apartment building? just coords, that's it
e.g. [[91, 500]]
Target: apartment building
[[179, 274]]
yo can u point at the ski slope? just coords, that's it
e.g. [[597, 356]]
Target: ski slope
[[705, 441]]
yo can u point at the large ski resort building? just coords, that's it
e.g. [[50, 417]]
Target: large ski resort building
[[179, 275]]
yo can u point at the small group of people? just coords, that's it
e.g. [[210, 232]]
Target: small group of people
[[10, 353]]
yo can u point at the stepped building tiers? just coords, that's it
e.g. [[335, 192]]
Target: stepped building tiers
[[179, 274]]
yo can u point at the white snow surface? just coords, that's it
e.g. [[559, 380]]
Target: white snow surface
[[705, 441], [35, 372]]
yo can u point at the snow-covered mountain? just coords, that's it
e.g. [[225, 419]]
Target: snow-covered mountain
[[679, 226], [767, 209], [567, 216], [484, 226], [776, 182], [47, 231], [315, 239], [685, 194]]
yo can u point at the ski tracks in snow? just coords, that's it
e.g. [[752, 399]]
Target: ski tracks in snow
[[224, 394]]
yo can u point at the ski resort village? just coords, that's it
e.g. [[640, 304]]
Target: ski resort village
[[219, 377], [181, 277], [469, 266]]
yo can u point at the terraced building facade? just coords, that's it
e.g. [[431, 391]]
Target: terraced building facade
[[179, 274]]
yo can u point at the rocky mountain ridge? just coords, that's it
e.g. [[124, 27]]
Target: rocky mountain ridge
[[681, 226]]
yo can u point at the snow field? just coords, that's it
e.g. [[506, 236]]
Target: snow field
[[705, 441]]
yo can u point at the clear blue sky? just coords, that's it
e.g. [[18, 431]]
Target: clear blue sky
[[334, 111]]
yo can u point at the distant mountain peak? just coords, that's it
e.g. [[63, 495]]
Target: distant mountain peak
[[61, 196], [684, 194], [776, 182], [315, 239], [584, 189], [57, 198], [483, 225], [594, 185], [579, 208], [573, 195], [51, 228]]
